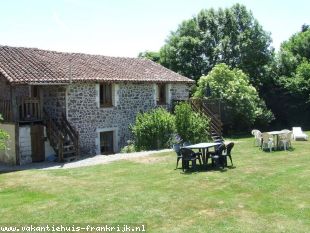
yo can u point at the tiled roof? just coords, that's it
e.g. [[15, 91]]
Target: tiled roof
[[29, 65]]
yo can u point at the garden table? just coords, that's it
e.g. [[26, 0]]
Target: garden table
[[276, 134], [205, 148]]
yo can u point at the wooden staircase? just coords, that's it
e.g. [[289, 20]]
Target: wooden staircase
[[63, 138], [216, 125]]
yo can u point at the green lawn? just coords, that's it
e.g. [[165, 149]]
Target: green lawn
[[265, 192]]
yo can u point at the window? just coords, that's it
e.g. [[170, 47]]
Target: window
[[105, 95], [106, 143], [161, 94], [34, 92]]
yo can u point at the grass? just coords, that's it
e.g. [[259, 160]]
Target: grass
[[264, 192]]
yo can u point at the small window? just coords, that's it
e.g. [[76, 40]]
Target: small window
[[106, 143], [34, 92], [105, 95], [161, 94]]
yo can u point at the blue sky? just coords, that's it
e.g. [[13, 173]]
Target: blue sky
[[127, 27]]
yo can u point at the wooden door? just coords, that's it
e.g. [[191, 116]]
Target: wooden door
[[37, 143], [106, 143]]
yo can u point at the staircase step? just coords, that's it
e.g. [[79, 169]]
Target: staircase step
[[68, 146], [69, 152], [69, 159]]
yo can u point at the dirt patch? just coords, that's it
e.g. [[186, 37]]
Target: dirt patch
[[147, 160]]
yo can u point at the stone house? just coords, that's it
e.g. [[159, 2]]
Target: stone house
[[73, 104]]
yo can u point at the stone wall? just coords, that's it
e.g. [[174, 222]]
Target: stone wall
[[5, 93], [88, 118], [54, 100], [179, 91]]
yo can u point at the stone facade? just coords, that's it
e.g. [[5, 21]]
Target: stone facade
[[84, 113], [179, 92], [54, 100], [80, 103]]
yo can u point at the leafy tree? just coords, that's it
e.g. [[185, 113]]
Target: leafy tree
[[190, 125], [293, 52], [153, 129], [233, 87], [153, 56], [232, 36], [292, 83]]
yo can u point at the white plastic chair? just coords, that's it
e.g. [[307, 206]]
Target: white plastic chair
[[267, 141], [257, 137], [285, 139], [298, 134]]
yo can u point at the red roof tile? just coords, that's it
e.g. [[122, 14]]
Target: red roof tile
[[29, 65]]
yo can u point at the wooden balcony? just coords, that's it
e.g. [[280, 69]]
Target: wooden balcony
[[26, 109]]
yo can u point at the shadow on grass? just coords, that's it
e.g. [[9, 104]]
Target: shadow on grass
[[292, 149], [204, 168]]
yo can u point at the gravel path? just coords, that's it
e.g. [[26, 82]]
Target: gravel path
[[88, 161]]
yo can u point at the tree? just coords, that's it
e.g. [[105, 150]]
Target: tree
[[232, 36], [153, 56], [293, 80], [233, 87], [293, 52]]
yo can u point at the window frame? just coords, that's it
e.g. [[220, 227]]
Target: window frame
[[104, 100], [161, 98]]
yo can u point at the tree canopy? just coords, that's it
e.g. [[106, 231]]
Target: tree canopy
[[232, 36], [153, 56], [233, 87]]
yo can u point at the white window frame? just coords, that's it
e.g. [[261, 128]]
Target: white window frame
[[115, 96]]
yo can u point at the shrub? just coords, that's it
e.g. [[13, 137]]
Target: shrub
[[153, 129], [129, 148], [191, 126], [4, 136]]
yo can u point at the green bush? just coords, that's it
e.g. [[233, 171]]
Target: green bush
[[4, 136], [129, 148], [153, 129], [191, 126]]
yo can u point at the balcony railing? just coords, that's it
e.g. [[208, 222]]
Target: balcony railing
[[30, 109], [6, 110], [26, 109]]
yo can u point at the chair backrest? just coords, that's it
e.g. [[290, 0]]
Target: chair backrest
[[177, 148], [289, 135], [229, 148], [258, 135], [254, 131], [186, 153], [266, 137], [297, 130], [219, 150]]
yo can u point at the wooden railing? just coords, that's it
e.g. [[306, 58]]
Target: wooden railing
[[62, 136], [30, 109], [215, 121], [55, 136], [72, 133], [6, 110]]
